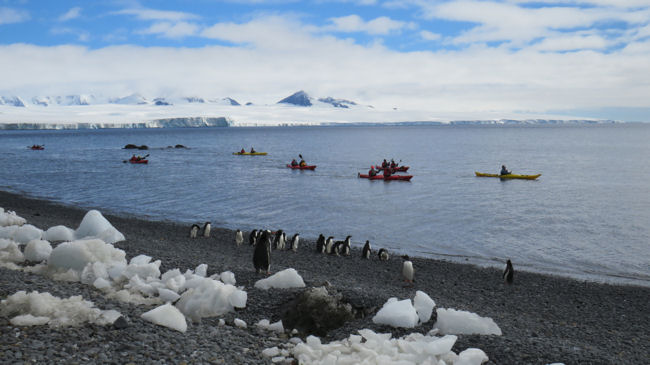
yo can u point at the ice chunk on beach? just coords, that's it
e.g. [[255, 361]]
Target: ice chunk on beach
[[201, 270], [239, 323], [37, 250], [142, 266], [94, 225], [423, 306], [227, 277], [210, 298], [288, 278], [274, 327], [471, 356], [167, 316], [10, 252], [77, 254], [59, 233], [174, 280], [26, 233], [167, 295], [451, 321], [33, 308], [397, 313], [10, 218]]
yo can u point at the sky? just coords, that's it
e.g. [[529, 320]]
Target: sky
[[586, 58]]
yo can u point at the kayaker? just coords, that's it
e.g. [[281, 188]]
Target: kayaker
[[384, 164], [252, 150], [294, 162], [392, 164], [505, 171], [303, 163], [372, 172], [387, 172], [242, 151]]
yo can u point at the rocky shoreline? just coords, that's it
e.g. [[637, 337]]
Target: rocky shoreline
[[544, 319]]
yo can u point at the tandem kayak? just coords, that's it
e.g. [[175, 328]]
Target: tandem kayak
[[307, 167], [250, 153], [509, 176], [135, 160], [387, 178], [395, 169]]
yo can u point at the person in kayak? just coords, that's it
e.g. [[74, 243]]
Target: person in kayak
[[303, 163], [294, 163], [505, 171], [252, 150], [242, 151], [372, 172], [387, 172], [384, 164], [392, 164]]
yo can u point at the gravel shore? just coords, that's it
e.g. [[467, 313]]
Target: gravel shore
[[544, 319]]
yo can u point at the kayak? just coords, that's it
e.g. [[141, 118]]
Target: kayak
[[250, 153], [387, 178], [138, 161], [37, 148], [509, 176], [307, 167], [396, 169]]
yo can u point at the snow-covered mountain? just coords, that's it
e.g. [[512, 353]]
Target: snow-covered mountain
[[12, 100], [301, 98]]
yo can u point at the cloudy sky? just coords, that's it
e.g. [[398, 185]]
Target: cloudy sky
[[586, 58]]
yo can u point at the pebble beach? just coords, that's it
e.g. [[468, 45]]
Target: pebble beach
[[544, 319]]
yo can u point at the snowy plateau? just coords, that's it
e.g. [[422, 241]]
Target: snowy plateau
[[299, 109]]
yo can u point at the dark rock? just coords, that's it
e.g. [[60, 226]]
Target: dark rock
[[130, 147], [143, 147], [299, 98], [120, 323], [179, 146], [317, 311]]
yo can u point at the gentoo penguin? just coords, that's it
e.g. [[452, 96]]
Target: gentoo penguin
[[279, 241], [329, 244], [508, 272], [194, 231], [262, 254], [206, 229], [407, 269], [342, 247], [252, 237], [294, 242], [383, 254], [320, 244], [366, 250], [239, 238]]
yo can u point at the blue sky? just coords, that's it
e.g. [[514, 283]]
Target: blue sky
[[589, 56]]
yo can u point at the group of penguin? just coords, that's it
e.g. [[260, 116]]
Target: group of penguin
[[264, 241]]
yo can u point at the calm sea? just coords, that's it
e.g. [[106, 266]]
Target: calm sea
[[587, 216]]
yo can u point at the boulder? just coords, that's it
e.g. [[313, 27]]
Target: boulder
[[317, 311]]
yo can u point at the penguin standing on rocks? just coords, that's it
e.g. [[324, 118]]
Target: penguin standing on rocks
[[206, 229], [320, 244], [343, 247], [239, 238], [407, 270], [293, 245], [252, 237], [508, 273], [383, 254], [262, 254], [366, 250], [279, 241], [329, 245], [194, 230]]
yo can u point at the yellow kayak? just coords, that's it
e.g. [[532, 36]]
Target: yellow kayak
[[509, 176], [250, 153]]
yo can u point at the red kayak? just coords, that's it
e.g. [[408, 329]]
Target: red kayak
[[395, 169], [306, 167], [135, 160], [37, 147], [388, 178]]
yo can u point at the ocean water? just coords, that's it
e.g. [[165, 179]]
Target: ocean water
[[587, 216]]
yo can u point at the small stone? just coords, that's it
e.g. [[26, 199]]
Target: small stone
[[120, 323]]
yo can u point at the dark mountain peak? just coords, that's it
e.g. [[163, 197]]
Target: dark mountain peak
[[339, 103], [299, 98], [231, 101]]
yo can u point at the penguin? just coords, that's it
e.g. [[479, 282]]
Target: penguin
[[194, 231], [252, 237], [407, 270], [320, 244], [294, 242], [383, 254], [262, 254], [206, 229], [239, 238], [508, 273], [279, 241], [342, 247], [329, 244], [366, 250]]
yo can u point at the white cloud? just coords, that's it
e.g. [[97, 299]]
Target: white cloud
[[354, 23], [274, 56], [571, 42], [71, 14], [172, 30], [82, 35], [153, 14], [9, 16], [430, 36]]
